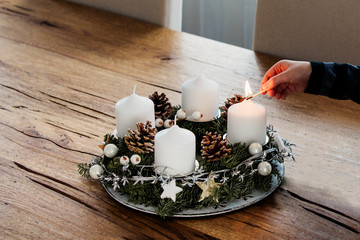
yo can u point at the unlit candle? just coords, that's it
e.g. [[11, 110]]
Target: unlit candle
[[200, 95], [175, 151], [131, 110]]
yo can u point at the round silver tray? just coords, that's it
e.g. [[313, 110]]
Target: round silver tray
[[254, 197]]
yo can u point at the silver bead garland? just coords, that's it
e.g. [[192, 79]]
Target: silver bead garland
[[199, 175]]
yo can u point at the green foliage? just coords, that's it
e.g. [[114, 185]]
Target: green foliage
[[236, 188], [84, 169], [144, 193]]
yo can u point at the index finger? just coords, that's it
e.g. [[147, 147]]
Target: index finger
[[269, 74]]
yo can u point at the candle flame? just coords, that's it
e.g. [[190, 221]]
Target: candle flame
[[248, 91]]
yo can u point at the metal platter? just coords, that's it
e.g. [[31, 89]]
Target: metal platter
[[254, 197]]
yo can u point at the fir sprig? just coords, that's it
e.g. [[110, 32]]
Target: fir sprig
[[84, 169]]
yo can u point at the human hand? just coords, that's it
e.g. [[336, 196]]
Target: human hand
[[286, 77]]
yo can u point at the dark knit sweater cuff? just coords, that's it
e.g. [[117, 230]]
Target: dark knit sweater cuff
[[316, 78]]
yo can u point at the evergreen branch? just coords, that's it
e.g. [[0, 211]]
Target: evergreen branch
[[84, 169]]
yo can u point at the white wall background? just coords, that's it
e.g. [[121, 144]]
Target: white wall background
[[230, 21], [166, 13]]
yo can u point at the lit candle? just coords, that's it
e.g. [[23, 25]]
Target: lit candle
[[246, 121], [175, 151], [131, 110], [200, 95]]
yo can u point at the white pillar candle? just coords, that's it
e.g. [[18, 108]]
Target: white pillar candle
[[175, 151], [131, 110], [246, 122], [200, 95]]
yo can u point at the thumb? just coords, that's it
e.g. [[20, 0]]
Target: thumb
[[274, 81]]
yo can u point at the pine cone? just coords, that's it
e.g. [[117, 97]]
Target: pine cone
[[230, 101], [213, 147], [162, 105], [141, 140]]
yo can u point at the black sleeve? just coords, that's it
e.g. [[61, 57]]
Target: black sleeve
[[335, 80]]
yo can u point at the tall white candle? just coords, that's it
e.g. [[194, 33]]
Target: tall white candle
[[246, 121], [131, 110], [200, 95], [175, 151]]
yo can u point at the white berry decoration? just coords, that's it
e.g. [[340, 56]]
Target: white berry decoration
[[159, 122], [255, 148], [181, 114], [196, 116], [96, 171], [124, 160], [110, 150], [168, 123], [135, 159], [264, 168]]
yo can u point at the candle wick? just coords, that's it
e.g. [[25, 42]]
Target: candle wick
[[134, 89]]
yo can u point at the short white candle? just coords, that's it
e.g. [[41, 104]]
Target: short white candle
[[200, 95], [246, 122], [131, 110], [175, 151]]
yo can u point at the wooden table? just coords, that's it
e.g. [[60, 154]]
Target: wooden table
[[62, 69]]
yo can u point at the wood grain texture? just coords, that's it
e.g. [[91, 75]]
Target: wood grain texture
[[62, 69]]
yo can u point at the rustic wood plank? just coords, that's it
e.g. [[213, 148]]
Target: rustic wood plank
[[260, 218], [62, 69], [66, 206]]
